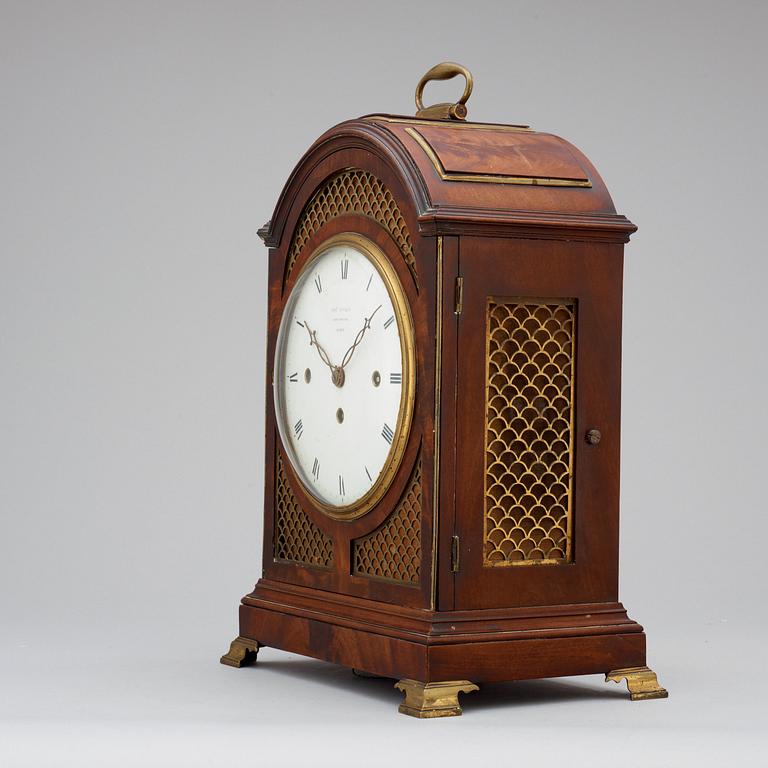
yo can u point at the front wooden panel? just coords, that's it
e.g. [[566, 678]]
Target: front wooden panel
[[386, 554], [539, 365]]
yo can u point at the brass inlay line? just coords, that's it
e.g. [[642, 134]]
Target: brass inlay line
[[451, 124], [529, 429], [489, 178]]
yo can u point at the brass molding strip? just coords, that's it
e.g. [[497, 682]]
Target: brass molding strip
[[488, 178], [451, 123], [436, 448]]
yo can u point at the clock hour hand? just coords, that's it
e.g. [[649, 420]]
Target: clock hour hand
[[337, 371], [351, 351]]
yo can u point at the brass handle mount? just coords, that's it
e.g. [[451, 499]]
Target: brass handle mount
[[444, 71]]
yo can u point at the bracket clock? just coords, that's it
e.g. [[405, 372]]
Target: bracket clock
[[442, 442]]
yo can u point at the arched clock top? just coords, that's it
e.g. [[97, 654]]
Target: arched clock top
[[485, 178], [459, 177], [352, 146]]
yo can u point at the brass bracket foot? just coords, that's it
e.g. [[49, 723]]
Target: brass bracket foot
[[641, 682], [433, 699], [242, 652]]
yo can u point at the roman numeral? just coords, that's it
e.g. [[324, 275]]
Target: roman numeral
[[316, 469], [387, 433], [369, 282], [389, 321], [395, 378], [318, 284], [368, 473], [344, 268], [342, 490], [298, 428], [293, 377]]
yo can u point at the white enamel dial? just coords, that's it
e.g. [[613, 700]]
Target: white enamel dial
[[343, 375]]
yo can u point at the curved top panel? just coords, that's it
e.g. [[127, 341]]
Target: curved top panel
[[477, 178], [499, 156]]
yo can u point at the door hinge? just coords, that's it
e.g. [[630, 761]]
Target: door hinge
[[458, 296], [455, 554]]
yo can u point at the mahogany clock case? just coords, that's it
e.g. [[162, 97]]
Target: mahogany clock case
[[406, 590]]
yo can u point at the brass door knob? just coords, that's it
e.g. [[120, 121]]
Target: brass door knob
[[593, 436]]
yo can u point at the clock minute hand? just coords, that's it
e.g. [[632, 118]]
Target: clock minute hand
[[351, 351]]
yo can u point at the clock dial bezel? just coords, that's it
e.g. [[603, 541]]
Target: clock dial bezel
[[404, 320]]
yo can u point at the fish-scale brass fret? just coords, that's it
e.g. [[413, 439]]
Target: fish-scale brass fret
[[297, 538], [352, 191], [393, 550], [529, 429]]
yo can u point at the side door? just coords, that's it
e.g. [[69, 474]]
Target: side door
[[538, 407]]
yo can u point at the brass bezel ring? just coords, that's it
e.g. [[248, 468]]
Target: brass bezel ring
[[404, 321]]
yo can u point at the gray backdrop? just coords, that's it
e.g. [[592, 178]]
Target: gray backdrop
[[141, 146]]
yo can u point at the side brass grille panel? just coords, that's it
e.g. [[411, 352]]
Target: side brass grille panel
[[393, 550], [530, 358], [352, 191], [297, 538]]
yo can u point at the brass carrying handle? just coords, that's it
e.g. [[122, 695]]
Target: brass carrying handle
[[444, 71]]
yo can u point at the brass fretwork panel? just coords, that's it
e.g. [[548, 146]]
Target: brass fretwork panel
[[297, 538], [529, 431], [393, 550], [352, 191]]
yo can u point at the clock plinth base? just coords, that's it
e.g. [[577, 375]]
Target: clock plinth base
[[242, 652], [433, 699], [641, 683], [435, 655]]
